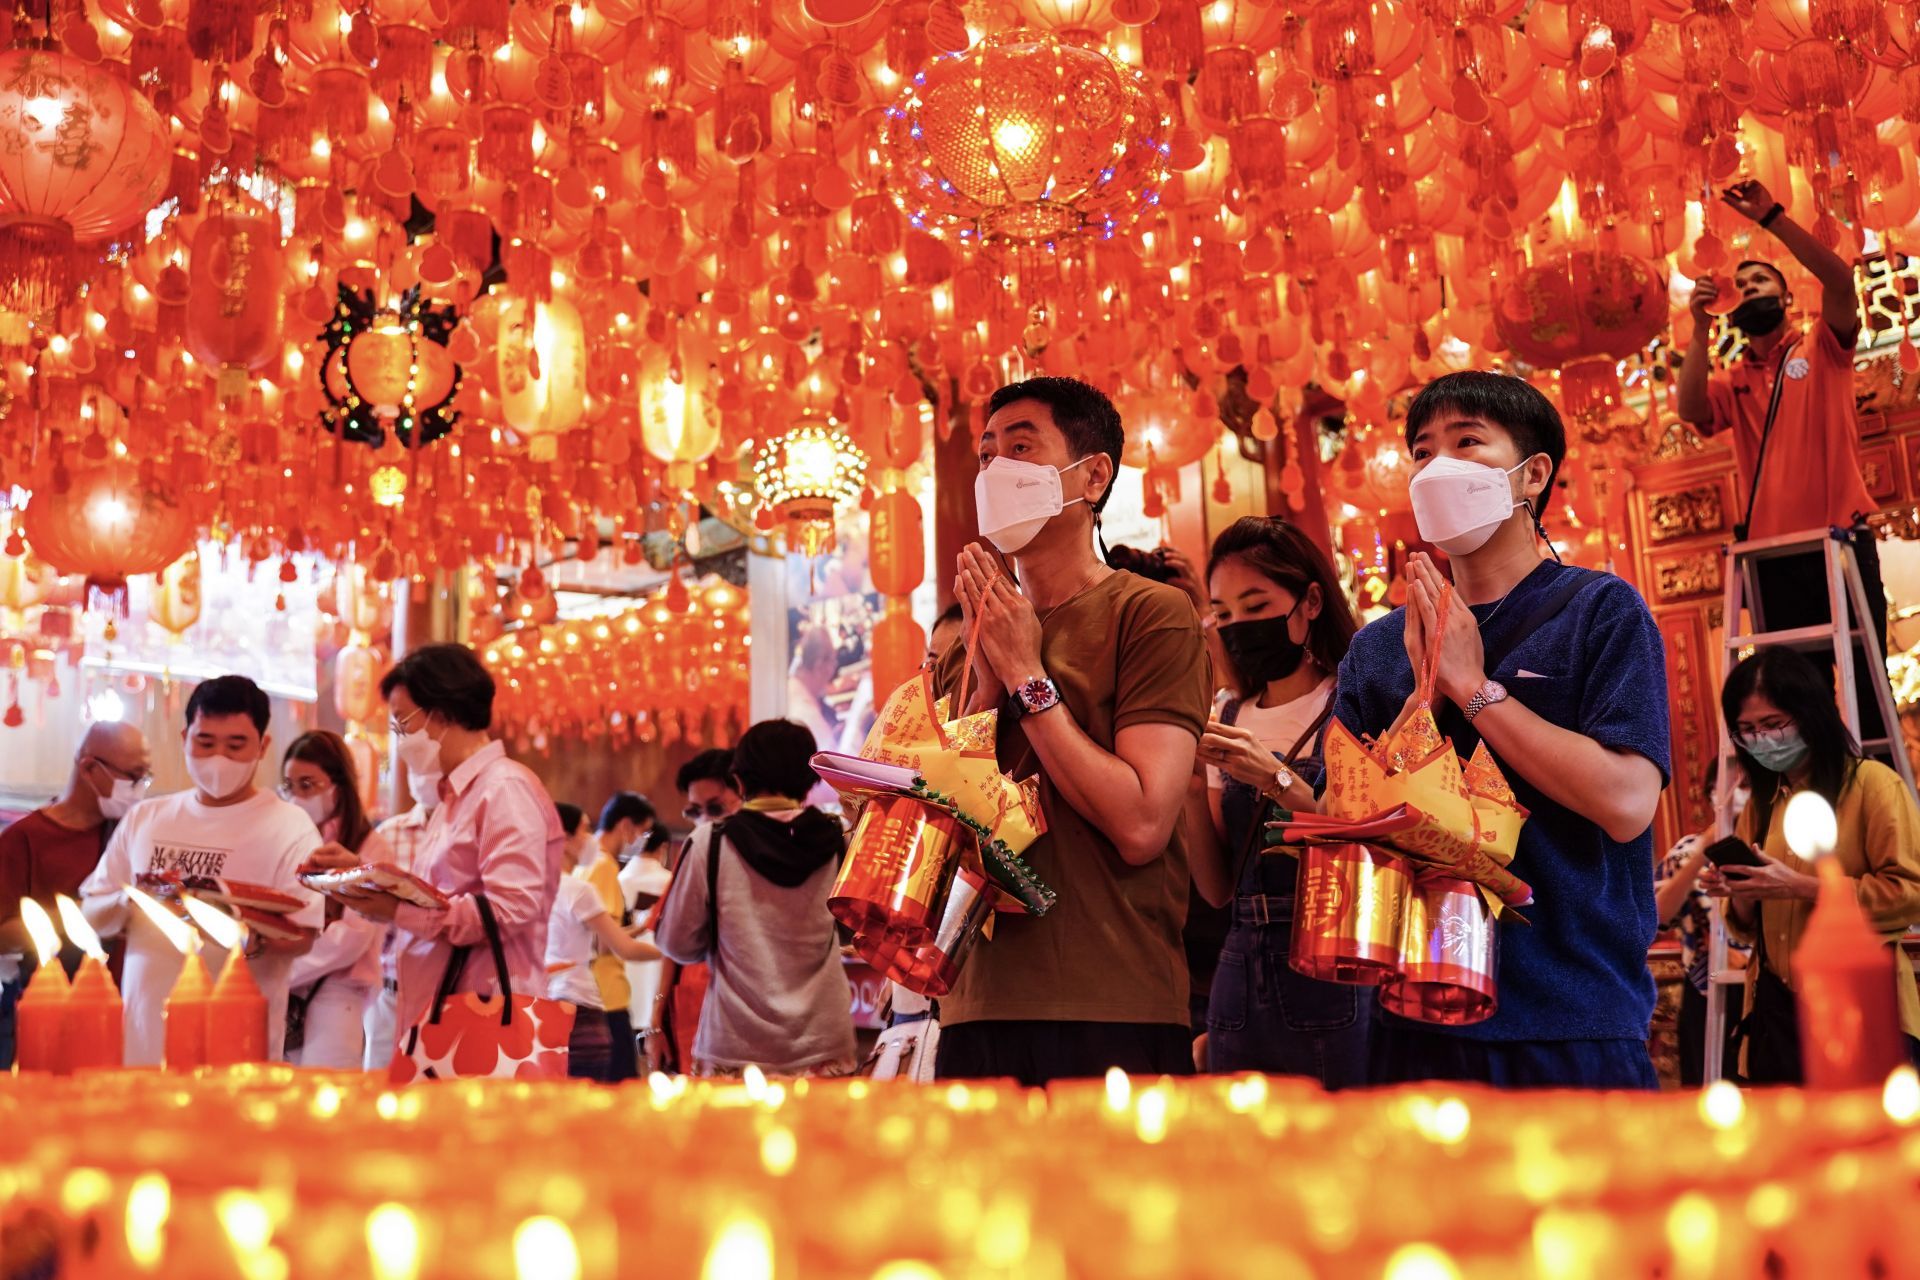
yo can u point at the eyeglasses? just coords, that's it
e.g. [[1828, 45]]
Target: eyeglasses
[[712, 810], [399, 726], [304, 787], [140, 779]]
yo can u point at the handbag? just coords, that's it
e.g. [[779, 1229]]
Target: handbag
[[296, 1035], [470, 1036], [1770, 1031]]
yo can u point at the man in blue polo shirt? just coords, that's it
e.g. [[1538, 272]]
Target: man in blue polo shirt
[[1574, 709]]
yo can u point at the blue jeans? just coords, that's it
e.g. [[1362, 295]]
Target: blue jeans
[[1263, 1016]]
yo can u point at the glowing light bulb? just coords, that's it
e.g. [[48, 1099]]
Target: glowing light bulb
[[1014, 135]]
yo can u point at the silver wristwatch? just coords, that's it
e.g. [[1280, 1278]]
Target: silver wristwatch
[[1283, 780], [1485, 696]]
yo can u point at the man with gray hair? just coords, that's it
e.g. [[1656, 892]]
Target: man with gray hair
[[53, 849]]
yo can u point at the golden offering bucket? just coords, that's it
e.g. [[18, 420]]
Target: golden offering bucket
[[931, 968], [1448, 956], [896, 869], [1349, 902]]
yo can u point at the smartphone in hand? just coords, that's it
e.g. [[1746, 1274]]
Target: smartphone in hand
[[1733, 852]]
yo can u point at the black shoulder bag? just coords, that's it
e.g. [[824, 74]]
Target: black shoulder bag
[[1256, 834], [1766, 434]]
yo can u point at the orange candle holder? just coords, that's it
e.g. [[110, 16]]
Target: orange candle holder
[[186, 1046], [1449, 954], [1349, 903], [94, 1027], [40, 1019], [236, 1016], [1845, 985]]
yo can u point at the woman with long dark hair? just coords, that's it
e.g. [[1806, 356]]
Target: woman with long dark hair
[[1284, 625], [330, 986], [1789, 737]]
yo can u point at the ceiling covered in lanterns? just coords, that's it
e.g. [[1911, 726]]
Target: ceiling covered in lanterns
[[435, 281]]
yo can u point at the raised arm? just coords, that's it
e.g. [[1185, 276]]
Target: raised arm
[[1839, 305]]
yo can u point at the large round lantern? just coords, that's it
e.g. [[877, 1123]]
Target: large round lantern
[[396, 370], [234, 293], [1582, 312], [82, 156], [107, 525], [543, 372], [1026, 139], [175, 604]]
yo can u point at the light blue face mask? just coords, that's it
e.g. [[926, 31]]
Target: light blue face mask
[[1780, 751]]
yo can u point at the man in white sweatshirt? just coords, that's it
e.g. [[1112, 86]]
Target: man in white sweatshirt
[[224, 828]]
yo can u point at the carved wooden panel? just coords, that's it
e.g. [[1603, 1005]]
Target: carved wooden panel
[[1692, 512], [1880, 468], [1689, 576]]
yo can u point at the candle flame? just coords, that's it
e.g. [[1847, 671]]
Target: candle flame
[[78, 929], [1810, 826], [40, 927], [1421, 1262], [226, 932], [393, 1242], [543, 1249], [743, 1250], [165, 921], [754, 1081], [149, 1204], [1119, 1089], [1901, 1097], [1722, 1105]]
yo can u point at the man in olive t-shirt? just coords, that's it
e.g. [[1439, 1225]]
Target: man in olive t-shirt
[[1101, 679]]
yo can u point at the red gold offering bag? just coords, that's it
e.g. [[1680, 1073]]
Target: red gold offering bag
[[1401, 877]]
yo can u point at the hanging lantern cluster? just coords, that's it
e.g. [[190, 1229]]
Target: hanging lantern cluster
[[389, 369], [671, 669]]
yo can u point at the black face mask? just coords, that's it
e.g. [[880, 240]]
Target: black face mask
[[1263, 650], [1758, 317]]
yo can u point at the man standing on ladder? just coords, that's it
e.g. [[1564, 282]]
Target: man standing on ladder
[[1789, 404]]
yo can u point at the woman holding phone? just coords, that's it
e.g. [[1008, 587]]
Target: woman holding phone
[[1789, 737]]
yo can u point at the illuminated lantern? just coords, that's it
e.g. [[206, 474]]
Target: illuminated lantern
[[543, 372], [898, 541], [356, 684], [804, 476], [1581, 313], [899, 649], [176, 595], [107, 525], [396, 370], [234, 297], [675, 424], [82, 157], [357, 601], [1067, 141]]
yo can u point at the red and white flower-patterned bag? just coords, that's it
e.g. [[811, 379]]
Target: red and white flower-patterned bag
[[515, 1037]]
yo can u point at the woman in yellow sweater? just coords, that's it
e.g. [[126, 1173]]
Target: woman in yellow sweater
[[1789, 737]]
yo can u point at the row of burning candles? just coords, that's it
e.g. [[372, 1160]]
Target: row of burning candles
[[66, 1026]]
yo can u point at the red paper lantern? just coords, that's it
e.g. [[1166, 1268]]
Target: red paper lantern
[[899, 649], [82, 156], [897, 537], [234, 298], [107, 525], [1587, 303]]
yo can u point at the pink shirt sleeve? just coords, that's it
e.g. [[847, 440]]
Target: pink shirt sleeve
[[514, 865]]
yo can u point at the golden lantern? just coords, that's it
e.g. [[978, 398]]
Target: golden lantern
[[176, 595], [1026, 139], [24, 580], [108, 524], [388, 485], [82, 156], [675, 424], [543, 372], [804, 477]]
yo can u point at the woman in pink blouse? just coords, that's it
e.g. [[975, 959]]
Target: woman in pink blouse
[[495, 832]]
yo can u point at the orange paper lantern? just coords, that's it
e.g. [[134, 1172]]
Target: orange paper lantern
[[897, 536], [107, 524]]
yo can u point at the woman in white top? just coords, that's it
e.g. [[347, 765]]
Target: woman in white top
[[1284, 625], [330, 986], [580, 920]]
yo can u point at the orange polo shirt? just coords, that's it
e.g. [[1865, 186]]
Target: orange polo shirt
[[1811, 477]]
